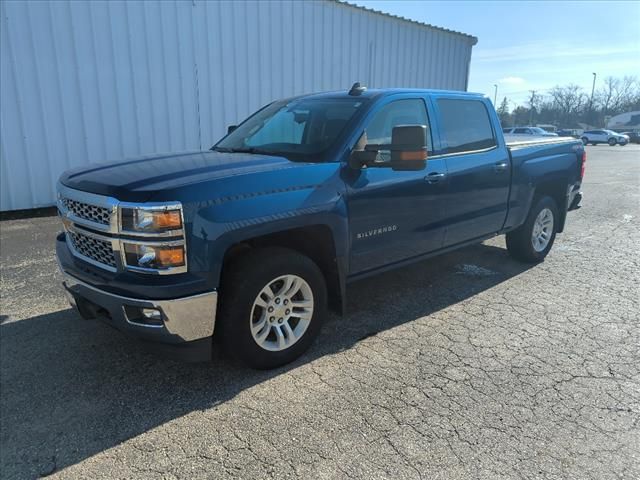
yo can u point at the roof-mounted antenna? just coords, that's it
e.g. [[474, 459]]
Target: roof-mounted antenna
[[357, 89]]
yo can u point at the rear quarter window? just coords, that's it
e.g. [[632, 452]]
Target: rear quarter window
[[466, 125]]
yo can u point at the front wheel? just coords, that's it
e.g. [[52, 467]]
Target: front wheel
[[612, 142], [532, 241], [272, 305]]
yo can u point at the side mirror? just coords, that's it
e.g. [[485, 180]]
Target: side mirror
[[409, 147], [231, 128], [408, 150], [361, 158]]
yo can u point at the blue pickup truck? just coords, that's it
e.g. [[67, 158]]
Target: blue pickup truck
[[255, 239]]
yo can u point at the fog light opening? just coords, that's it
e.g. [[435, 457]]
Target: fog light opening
[[152, 314], [144, 316]]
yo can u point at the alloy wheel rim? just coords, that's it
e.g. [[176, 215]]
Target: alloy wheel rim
[[542, 230], [281, 313]]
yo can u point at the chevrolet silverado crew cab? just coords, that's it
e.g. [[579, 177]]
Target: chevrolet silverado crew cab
[[256, 238]]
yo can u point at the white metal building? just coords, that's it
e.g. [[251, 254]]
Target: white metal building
[[94, 81], [625, 121]]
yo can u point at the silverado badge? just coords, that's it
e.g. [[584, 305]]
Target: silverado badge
[[376, 231]]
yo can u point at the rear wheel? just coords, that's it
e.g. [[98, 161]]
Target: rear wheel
[[273, 304], [612, 141], [532, 241]]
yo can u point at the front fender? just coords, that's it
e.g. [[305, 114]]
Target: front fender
[[218, 226]]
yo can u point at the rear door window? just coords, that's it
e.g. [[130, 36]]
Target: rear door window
[[466, 125]]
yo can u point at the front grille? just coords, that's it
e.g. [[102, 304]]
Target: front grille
[[97, 250], [87, 211]]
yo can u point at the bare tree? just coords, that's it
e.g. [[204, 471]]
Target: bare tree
[[569, 102], [617, 94], [606, 94], [567, 105]]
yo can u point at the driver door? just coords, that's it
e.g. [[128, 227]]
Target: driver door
[[394, 215]]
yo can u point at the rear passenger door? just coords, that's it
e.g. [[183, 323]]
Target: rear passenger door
[[478, 166]]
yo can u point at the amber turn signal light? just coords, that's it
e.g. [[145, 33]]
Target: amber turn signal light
[[170, 257], [168, 219], [416, 155]]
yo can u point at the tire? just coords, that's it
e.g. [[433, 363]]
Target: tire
[[251, 276], [585, 140], [520, 242], [612, 142]]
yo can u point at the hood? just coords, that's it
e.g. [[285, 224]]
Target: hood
[[143, 178]]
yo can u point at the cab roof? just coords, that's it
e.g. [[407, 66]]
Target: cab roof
[[371, 93]]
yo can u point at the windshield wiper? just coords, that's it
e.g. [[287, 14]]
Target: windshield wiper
[[242, 150]]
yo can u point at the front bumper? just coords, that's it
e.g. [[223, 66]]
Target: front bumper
[[181, 322]]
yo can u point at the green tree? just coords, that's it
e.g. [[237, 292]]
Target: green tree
[[521, 116], [503, 113]]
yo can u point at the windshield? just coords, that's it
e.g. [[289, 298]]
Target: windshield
[[538, 130], [299, 128]]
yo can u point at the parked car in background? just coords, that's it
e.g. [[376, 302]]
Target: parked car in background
[[530, 131], [634, 137], [547, 127], [595, 137], [568, 133]]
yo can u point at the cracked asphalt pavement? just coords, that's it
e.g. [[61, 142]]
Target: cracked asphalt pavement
[[470, 365]]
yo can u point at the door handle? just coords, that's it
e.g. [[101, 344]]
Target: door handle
[[500, 167], [434, 177]]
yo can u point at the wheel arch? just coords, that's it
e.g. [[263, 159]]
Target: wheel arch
[[316, 241], [556, 189]]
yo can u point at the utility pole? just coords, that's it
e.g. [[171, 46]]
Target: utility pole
[[532, 101], [593, 88], [495, 95]]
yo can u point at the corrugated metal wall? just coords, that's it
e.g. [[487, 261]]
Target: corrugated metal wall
[[86, 82]]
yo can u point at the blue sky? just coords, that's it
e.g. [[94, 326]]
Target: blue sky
[[535, 45]]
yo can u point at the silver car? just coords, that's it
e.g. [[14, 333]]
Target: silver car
[[529, 131], [595, 137]]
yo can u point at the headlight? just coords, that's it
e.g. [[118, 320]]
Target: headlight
[[151, 220], [154, 257], [152, 224]]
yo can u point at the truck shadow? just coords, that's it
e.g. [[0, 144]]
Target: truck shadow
[[72, 388]]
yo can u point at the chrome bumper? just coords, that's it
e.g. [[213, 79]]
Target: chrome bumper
[[183, 319]]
